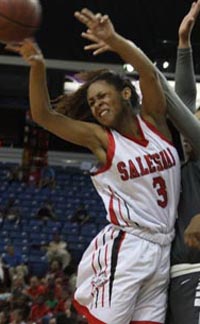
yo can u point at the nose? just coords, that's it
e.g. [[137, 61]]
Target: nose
[[97, 105]]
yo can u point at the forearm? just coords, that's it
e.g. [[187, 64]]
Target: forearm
[[185, 83], [181, 117], [153, 99], [130, 53], [38, 91]]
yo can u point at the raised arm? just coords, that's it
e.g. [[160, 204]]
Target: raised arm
[[78, 132], [178, 112], [99, 26], [185, 83]]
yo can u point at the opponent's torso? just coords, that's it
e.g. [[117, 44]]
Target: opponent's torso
[[189, 206]]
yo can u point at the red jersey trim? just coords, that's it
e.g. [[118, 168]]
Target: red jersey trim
[[113, 216], [156, 131], [84, 311], [109, 155], [141, 141]]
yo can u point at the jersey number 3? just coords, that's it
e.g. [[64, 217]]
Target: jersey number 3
[[160, 186]]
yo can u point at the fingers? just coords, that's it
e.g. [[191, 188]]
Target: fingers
[[89, 36], [192, 241], [90, 19], [87, 17], [92, 47], [28, 49], [102, 49], [195, 9]]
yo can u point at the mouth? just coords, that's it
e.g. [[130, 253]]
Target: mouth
[[103, 112]]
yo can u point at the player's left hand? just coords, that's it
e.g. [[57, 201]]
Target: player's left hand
[[192, 232], [98, 46], [99, 25]]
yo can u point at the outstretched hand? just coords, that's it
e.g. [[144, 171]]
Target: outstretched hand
[[192, 233], [100, 30], [29, 51], [187, 24], [98, 46]]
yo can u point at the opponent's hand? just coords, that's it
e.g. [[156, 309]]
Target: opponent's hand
[[99, 25], [192, 232], [29, 50], [187, 24]]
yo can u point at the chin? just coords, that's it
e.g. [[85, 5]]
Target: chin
[[107, 123]]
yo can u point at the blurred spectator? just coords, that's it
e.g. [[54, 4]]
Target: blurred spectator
[[17, 317], [34, 175], [46, 212], [55, 286], [2, 274], [40, 310], [57, 249], [80, 215], [35, 288], [14, 262], [4, 317], [51, 300], [15, 173], [47, 177], [55, 270], [64, 304], [11, 211], [72, 282], [18, 298]]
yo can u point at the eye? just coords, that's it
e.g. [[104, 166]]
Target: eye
[[91, 104], [101, 95]]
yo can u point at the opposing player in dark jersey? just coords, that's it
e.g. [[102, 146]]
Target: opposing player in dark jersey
[[184, 292]]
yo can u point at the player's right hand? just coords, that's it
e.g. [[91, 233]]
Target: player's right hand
[[29, 50]]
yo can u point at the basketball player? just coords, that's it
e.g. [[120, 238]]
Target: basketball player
[[124, 273], [184, 289]]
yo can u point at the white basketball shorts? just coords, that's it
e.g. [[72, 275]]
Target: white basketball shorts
[[122, 279]]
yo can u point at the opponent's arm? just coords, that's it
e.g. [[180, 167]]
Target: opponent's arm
[[185, 83]]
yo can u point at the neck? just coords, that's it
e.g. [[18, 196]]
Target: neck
[[129, 126]]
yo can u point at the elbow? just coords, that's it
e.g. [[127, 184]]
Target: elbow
[[152, 76], [38, 118]]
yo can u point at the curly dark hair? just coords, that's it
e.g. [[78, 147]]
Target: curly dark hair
[[75, 105]]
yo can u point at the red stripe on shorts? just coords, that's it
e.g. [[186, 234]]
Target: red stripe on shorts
[[84, 311]]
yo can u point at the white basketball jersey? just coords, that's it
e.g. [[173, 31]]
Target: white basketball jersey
[[140, 183]]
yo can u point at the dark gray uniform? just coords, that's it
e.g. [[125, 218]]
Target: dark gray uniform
[[184, 291]]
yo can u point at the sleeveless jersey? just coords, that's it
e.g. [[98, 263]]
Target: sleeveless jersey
[[140, 183]]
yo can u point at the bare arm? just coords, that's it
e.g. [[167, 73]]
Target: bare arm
[[99, 26], [178, 112], [81, 133]]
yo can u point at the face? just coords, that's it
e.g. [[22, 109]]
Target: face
[[106, 103], [34, 282]]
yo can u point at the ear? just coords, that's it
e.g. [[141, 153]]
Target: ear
[[126, 93]]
